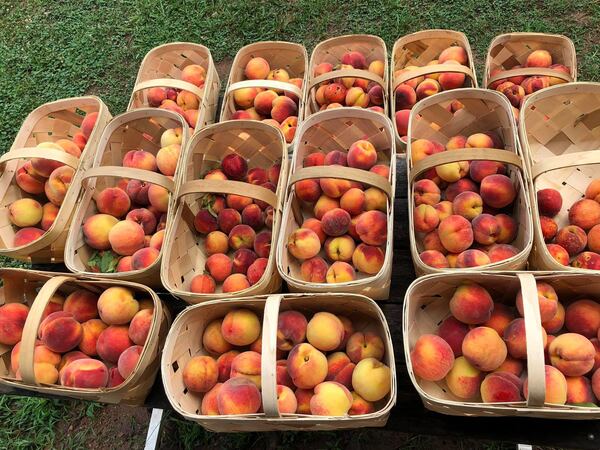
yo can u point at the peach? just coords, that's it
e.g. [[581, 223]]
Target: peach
[[140, 325], [308, 190], [283, 107], [405, 96], [242, 259], [323, 205], [212, 338], [431, 357], [485, 229], [539, 58], [82, 304], [140, 159], [535, 83], [224, 364], [583, 317], [451, 80], [511, 365], [371, 379], [356, 96], [126, 237], [453, 332], [314, 159], [55, 304], [339, 248], [303, 397], [501, 252], [240, 327], [427, 88], [334, 187], [456, 233], [335, 157], [235, 283], [549, 228], [549, 202], [431, 241], [57, 185], [434, 258], [453, 171], [596, 343], [579, 390], [335, 222], [585, 214], [555, 323], [219, 266], [142, 217], [27, 235], [501, 387], [209, 405], [158, 197], [44, 167], [25, 212], [508, 229], [402, 121], [187, 100], [375, 199], [29, 180], [375, 94], [479, 140], [572, 238], [454, 53], [227, 219], [498, 191], [353, 201], [194, 74], [60, 332], [113, 341], [241, 236], [238, 202], [307, 366], [587, 260], [514, 337], [478, 170], [362, 155], [593, 238], [138, 192], [247, 365], [88, 123], [354, 59], [304, 243], [340, 272], [286, 400], [360, 406], [234, 166], [559, 68], [171, 136], [41, 354], [484, 348], [421, 149], [85, 373], [128, 360], [80, 140], [572, 354], [96, 230], [203, 284], [291, 329], [364, 345], [257, 68], [472, 258], [368, 259], [464, 380], [238, 396], [244, 98], [117, 306], [556, 386], [256, 270], [330, 399], [200, 374], [458, 187], [514, 93], [547, 301], [472, 304], [500, 318], [335, 363], [425, 218], [314, 270], [371, 227], [166, 159], [324, 331], [468, 205]]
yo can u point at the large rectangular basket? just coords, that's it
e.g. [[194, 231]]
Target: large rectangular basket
[[185, 255], [36, 289], [426, 305], [185, 341], [162, 67], [48, 123], [137, 129], [560, 136], [483, 111], [337, 130]]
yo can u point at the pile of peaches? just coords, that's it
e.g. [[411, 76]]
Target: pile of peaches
[[415, 89], [181, 101], [578, 242], [480, 351], [237, 229], [316, 377], [462, 210], [349, 227], [128, 230], [47, 182], [517, 87], [273, 106], [84, 340], [349, 91]]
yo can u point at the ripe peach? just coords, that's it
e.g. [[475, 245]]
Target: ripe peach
[[464, 380], [500, 318], [535, 83], [256, 270], [405, 96], [128, 360], [453, 332], [219, 266], [12, 321], [247, 365], [431, 357], [238, 396], [583, 317], [203, 284], [138, 192], [200, 374], [241, 236], [60, 332], [235, 283], [454, 53], [82, 304], [307, 366], [257, 68], [549, 202], [371, 227], [353, 201], [330, 399], [371, 379], [140, 326], [29, 180], [547, 300], [240, 327], [364, 345], [126, 237], [167, 157], [479, 140], [500, 387], [304, 243], [84, 373], [587, 260], [539, 58], [585, 214], [472, 304], [27, 235], [485, 229], [234, 166], [314, 270], [514, 337], [96, 230], [142, 217], [478, 170], [356, 96], [335, 222], [468, 205], [44, 167], [501, 252], [314, 159], [427, 88], [325, 331], [360, 406], [308, 190], [572, 354], [140, 159], [498, 191], [421, 149], [572, 238], [484, 348], [291, 329], [425, 218], [117, 306], [460, 186], [368, 259], [57, 185], [283, 107], [227, 219], [362, 155], [456, 233], [434, 258]]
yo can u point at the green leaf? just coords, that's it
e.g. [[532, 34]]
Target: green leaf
[[104, 261]]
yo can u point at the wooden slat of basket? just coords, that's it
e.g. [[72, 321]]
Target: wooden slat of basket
[[483, 111], [184, 342], [262, 146], [49, 123], [137, 129]]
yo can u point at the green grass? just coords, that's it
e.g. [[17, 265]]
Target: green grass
[[52, 50]]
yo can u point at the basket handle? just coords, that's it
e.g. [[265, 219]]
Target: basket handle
[[346, 73], [32, 323], [43, 153], [434, 68], [130, 172], [171, 83], [266, 84], [536, 370], [529, 71], [563, 161], [465, 154], [228, 187], [346, 173], [268, 364]]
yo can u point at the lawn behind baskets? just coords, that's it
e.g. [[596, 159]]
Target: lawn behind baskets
[[51, 50]]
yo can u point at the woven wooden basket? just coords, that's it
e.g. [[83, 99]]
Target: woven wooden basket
[[185, 341], [36, 288], [47, 123], [511, 49], [426, 306], [138, 129], [285, 55], [418, 49], [560, 136], [262, 145], [324, 132], [162, 66], [483, 111], [331, 51]]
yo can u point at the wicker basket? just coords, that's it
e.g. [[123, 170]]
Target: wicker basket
[[331, 51], [286, 55], [509, 50], [162, 66], [262, 145], [185, 341], [483, 111], [50, 122], [324, 132], [426, 305], [36, 289], [418, 49], [139, 129], [560, 135]]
